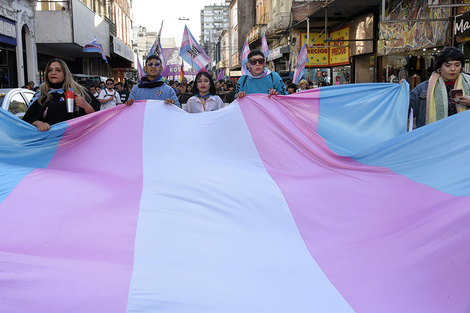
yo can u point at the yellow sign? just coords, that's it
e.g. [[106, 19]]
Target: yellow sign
[[339, 50], [318, 53]]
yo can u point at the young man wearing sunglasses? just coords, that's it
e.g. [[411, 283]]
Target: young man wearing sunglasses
[[152, 86], [108, 97], [259, 79]]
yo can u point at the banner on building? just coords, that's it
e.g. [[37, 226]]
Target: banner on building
[[325, 54], [397, 37], [339, 50], [318, 55], [173, 64]]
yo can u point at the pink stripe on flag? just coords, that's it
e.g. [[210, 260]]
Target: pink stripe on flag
[[68, 251], [386, 243]]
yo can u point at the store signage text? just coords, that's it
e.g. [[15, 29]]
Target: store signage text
[[7, 29], [462, 25], [331, 53]]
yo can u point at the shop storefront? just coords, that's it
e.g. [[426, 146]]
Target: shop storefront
[[408, 50], [328, 62], [279, 59], [415, 67], [8, 42]]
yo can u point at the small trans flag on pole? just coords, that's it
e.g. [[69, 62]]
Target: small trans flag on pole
[[265, 46], [93, 46], [156, 48], [140, 70], [300, 67], [192, 52], [244, 57]]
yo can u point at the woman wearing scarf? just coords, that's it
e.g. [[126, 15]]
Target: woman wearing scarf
[[259, 79], [48, 105], [152, 86], [432, 100], [204, 99]]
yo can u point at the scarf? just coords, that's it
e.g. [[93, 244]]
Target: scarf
[[204, 97], [437, 100], [265, 72], [53, 89], [146, 83]]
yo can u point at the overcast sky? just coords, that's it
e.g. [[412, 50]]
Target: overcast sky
[[151, 13]]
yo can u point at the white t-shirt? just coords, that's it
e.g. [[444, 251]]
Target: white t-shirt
[[194, 104], [112, 95]]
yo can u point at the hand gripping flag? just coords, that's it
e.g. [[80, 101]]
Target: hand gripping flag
[[192, 52], [140, 70], [265, 46], [157, 46], [244, 57], [93, 46], [314, 202], [300, 67]]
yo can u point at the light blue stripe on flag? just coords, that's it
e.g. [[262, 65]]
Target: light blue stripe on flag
[[21, 143]]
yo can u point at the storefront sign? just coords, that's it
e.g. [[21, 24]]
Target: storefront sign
[[278, 52], [325, 54], [339, 50], [7, 31], [462, 25], [318, 51], [123, 50]]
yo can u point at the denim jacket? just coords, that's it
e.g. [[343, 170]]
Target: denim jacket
[[418, 103]]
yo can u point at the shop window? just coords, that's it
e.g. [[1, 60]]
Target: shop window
[[3, 57]]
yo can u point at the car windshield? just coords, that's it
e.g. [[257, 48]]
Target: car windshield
[[2, 96]]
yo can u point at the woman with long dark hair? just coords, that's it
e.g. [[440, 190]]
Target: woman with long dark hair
[[204, 98]]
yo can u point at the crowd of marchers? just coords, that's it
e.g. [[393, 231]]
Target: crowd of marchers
[[447, 92]]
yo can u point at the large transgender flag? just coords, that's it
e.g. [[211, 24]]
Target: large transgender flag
[[313, 202]]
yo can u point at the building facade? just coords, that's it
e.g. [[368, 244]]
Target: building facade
[[18, 59], [214, 20], [80, 21]]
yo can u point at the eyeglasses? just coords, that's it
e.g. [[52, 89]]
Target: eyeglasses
[[156, 64], [109, 84], [259, 61]]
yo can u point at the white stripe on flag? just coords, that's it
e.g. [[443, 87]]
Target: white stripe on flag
[[200, 247]]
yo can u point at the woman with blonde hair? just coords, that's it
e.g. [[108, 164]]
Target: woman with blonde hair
[[302, 85], [49, 107]]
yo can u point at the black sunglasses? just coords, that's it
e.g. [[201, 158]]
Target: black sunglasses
[[259, 61]]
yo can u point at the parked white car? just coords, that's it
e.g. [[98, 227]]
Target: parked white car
[[15, 100]]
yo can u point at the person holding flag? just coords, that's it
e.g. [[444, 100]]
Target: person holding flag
[[152, 86], [260, 79]]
